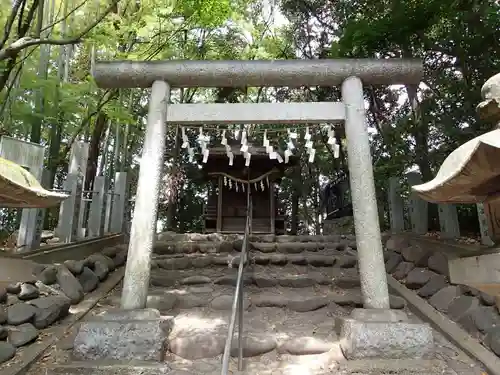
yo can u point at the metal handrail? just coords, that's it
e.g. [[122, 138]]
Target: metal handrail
[[237, 307]]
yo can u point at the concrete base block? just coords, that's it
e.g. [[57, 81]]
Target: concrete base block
[[384, 334], [132, 335]]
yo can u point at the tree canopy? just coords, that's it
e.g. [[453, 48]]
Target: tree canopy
[[48, 96]]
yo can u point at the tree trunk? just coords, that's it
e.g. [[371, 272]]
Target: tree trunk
[[94, 148]]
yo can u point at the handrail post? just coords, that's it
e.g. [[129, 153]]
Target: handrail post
[[237, 307]]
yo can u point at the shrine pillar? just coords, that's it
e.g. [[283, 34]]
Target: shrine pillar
[[142, 234], [366, 222]]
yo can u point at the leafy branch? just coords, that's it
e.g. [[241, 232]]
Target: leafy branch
[[24, 42]]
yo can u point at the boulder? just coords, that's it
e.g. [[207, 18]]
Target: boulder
[[435, 284], [438, 262], [23, 334], [7, 351], [402, 270], [20, 313], [69, 284], [28, 292], [88, 280], [74, 266], [418, 277], [49, 310], [48, 276], [397, 243], [417, 255], [443, 299], [393, 261]]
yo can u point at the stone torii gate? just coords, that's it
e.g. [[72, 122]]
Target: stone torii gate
[[351, 74]]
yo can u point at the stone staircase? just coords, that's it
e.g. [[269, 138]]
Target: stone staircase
[[296, 288]]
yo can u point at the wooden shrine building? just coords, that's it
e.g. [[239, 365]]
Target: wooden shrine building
[[226, 209]]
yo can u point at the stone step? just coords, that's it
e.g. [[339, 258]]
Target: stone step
[[261, 276], [169, 247], [109, 368], [220, 300], [217, 237], [323, 259]]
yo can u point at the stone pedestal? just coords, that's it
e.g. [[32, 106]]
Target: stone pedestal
[[131, 335], [380, 333]]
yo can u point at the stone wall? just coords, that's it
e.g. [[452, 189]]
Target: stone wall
[[426, 272], [29, 307]]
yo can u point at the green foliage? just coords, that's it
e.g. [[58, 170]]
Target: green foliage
[[458, 41]]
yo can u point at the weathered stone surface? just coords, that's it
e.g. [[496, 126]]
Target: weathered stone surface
[[308, 304], [12, 300], [69, 284], [237, 245], [225, 302], [49, 310], [296, 281], [162, 279], [13, 288], [416, 255], [261, 259], [226, 247], [208, 248], [487, 299], [48, 275], [253, 346], [469, 291], [402, 270], [481, 319], [28, 292], [264, 281], [443, 299], [3, 315], [462, 306], [346, 261], [22, 334], [435, 284], [196, 279], [298, 259], [189, 301], [393, 262], [321, 260], [101, 270], [438, 262], [418, 277], [396, 302], [4, 332], [290, 248], [3, 295], [7, 351], [20, 313], [304, 346], [88, 280], [163, 302], [278, 259], [122, 335], [120, 259], [384, 339], [492, 340], [74, 266], [198, 346], [201, 289], [269, 300], [264, 247], [397, 243], [201, 262]]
